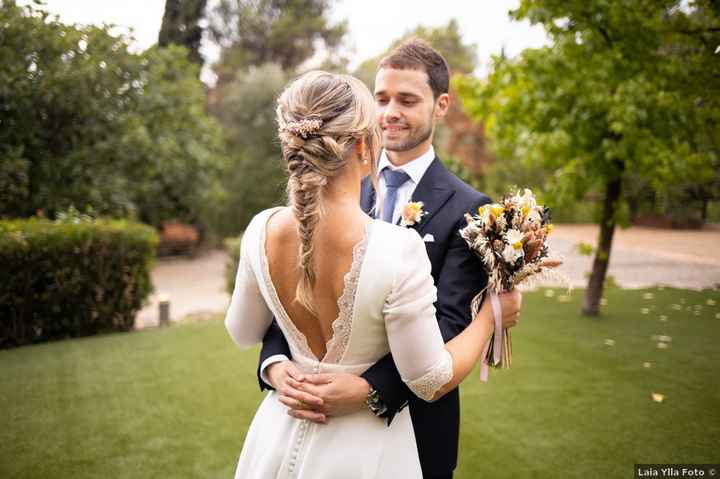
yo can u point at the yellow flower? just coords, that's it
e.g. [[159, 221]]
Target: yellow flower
[[412, 209], [525, 210], [549, 228], [481, 210], [497, 210], [411, 213]]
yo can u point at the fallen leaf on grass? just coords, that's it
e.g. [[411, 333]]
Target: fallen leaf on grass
[[661, 338]]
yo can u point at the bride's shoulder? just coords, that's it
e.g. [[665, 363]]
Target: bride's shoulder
[[398, 238], [258, 222], [256, 228]]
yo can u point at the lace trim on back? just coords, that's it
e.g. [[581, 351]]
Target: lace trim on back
[[342, 325]]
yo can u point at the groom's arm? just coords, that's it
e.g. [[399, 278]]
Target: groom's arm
[[275, 348], [460, 279]]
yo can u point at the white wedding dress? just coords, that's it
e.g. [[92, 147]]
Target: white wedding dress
[[386, 305]]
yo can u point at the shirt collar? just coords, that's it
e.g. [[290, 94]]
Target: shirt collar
[[415, 168]]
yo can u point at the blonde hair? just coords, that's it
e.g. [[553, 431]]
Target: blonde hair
[[321, 116]]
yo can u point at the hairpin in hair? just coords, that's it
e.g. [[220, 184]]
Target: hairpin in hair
[[302, 128]]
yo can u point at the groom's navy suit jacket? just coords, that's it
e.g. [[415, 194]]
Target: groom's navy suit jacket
[[459, 276]]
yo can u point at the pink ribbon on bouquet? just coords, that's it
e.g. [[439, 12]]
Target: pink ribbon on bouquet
[[498, 339]]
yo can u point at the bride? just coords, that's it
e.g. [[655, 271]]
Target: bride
[[345, 290]]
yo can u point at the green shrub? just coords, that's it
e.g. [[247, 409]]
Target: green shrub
[[74, 278], [232, 247]]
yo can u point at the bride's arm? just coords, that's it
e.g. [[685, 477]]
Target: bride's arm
[[428, 366], [466, 348], [248, 317]]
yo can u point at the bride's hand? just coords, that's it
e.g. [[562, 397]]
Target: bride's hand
[[510, 304]]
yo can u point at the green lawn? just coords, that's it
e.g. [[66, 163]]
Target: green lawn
[[176, 402]]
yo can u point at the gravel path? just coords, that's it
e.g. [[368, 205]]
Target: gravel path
[[640, 257], [643, 257]]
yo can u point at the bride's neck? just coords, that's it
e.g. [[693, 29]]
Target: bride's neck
[[343, 192]]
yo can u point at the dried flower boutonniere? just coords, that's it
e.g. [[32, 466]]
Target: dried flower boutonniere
[[412, 213]]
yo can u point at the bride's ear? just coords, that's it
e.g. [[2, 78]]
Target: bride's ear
[[360, 149]]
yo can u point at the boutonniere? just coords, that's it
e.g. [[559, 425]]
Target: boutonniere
[[412, 213]]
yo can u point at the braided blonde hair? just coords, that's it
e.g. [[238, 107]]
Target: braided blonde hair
[[321, 116]]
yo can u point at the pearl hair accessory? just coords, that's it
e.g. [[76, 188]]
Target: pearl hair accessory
[[302, 128]]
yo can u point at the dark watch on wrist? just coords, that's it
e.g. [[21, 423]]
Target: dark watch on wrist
[[375, 403]]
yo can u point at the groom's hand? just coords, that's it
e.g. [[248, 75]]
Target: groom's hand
[[341, 394]]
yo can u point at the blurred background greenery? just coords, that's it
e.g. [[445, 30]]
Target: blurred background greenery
[[614, 121], [622, 92]]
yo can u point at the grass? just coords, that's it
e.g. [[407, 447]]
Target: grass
[[176, 402]]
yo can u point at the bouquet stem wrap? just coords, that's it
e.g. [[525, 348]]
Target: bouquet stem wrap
[[498, 350]]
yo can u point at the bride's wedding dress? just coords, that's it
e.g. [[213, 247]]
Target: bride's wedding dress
[[386, 306]]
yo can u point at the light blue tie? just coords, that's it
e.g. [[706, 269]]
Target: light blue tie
[[394, 179]]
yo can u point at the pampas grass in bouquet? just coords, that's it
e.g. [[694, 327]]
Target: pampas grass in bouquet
[[510, 238]]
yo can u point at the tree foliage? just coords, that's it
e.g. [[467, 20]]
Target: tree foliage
[[285, 32], [182, 25], [85, 122], [447, 39], [264, 43], [255, 176], [626, 93]]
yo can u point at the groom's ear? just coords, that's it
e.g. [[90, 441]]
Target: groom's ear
[[442, 103]]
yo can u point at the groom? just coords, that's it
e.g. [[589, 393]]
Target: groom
[[411, 91]]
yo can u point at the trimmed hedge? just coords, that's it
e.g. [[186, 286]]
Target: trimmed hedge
[[71, 279]]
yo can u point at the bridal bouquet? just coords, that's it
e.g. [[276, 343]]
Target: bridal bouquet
[[510, 238]]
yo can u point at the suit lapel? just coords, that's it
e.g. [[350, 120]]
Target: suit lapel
[[433, 191], [367, 196]]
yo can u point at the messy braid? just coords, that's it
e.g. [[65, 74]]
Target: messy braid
[[320, 117]]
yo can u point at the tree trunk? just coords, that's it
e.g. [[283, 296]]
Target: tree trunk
[[602, 255]]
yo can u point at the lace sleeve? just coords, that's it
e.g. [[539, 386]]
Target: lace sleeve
[[439, 375], [413, 332]]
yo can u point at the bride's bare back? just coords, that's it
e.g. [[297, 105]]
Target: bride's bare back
[[334, 239]]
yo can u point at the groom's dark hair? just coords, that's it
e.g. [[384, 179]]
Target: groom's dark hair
[[417, 54]]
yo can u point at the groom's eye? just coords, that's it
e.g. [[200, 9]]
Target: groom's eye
[[381, 101]]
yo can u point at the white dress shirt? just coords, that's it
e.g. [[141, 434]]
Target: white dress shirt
[[415, 170]]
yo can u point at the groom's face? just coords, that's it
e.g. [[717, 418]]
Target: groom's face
[[406, 108]]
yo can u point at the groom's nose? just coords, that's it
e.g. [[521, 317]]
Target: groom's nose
[[392, 113]]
